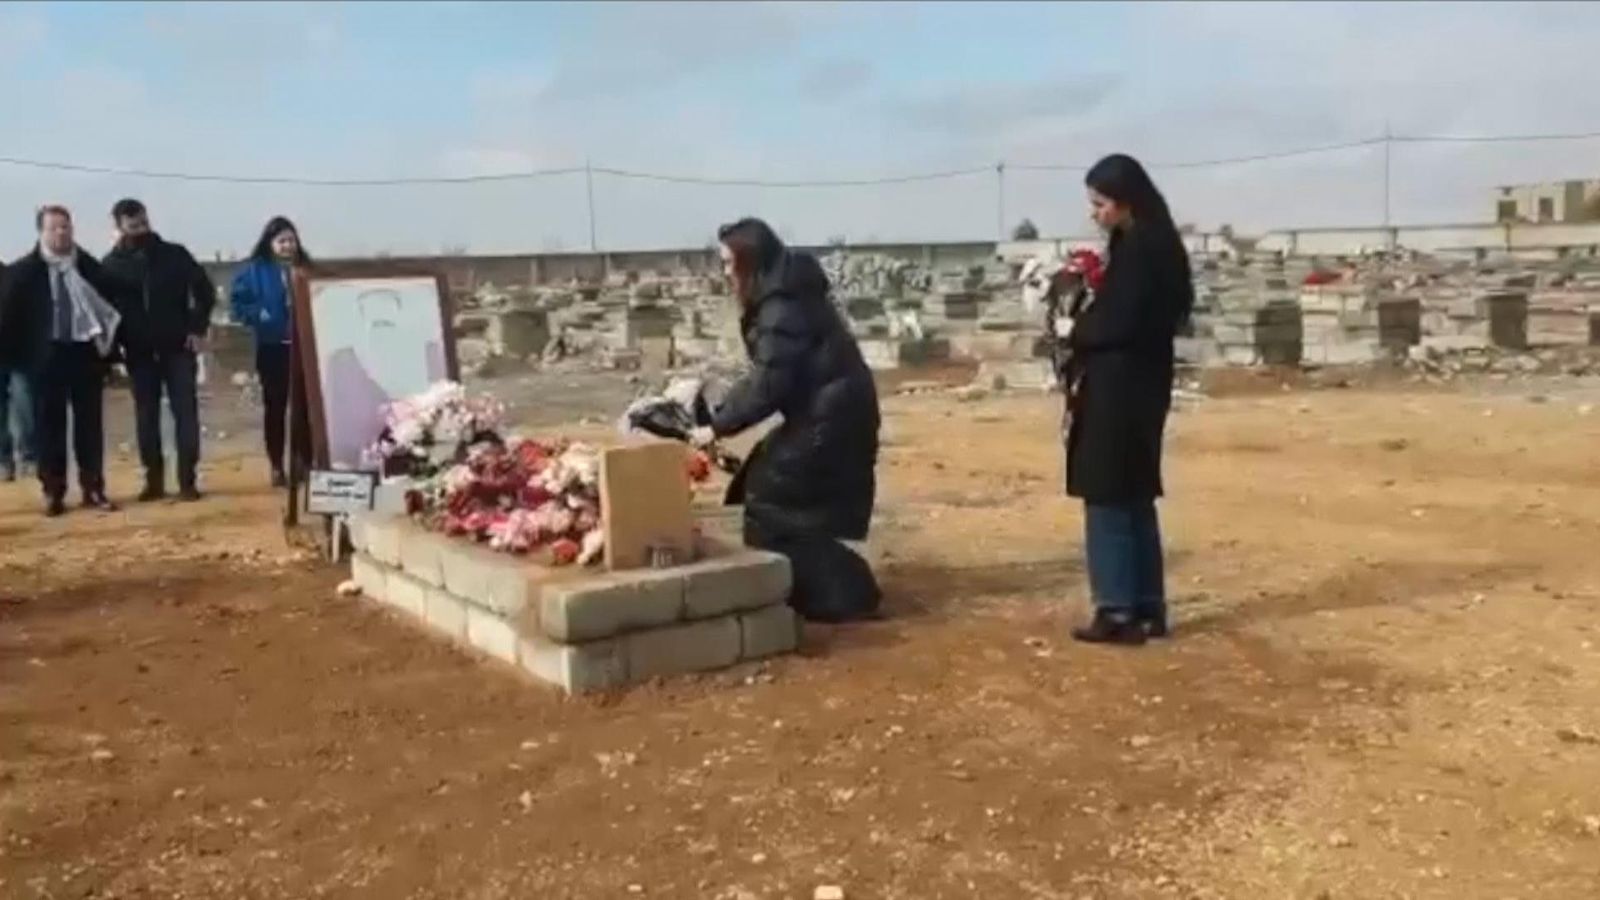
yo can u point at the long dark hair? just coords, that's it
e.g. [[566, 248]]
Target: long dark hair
[[1120, 178], [275, 226], [755, 248]]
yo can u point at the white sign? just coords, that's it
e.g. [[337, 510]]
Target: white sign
[[340, 493]]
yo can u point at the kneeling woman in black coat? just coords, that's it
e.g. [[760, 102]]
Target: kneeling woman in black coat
[[811, 483], [1120, 376]]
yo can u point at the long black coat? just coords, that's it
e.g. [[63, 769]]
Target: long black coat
[[814, 476], [1122, 356]]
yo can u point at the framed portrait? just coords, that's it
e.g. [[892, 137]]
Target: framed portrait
[[365, 339]]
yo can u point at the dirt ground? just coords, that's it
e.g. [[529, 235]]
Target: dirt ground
[[1383, 685]]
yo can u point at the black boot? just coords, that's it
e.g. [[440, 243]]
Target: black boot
[[1111, 628], [1155, 624], [54, 506], [154, 488]]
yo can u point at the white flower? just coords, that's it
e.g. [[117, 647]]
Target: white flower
[[594, 543]]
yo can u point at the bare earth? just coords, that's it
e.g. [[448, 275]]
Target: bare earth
[[1383, 686]]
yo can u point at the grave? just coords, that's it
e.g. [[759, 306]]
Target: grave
[[710, 605]]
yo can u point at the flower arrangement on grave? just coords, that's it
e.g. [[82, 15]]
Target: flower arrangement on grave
[[519, 495], [430, 430]]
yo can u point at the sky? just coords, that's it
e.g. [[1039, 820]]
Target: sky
[[771, 91]]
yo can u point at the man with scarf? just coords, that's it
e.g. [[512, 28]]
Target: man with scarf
[[58, 321], [163, 330]]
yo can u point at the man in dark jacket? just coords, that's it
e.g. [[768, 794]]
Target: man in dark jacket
[[164, 330], [17, 454], [59, 317], [811, 483]]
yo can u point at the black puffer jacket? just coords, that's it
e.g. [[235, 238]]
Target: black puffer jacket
[[815, 474]]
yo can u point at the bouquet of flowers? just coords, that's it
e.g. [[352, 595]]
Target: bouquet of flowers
[[1063, 288], [424, 432], [518, 497]]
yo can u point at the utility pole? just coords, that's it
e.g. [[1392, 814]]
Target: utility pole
[[588, 183], [1000, 200], [1388, 153]]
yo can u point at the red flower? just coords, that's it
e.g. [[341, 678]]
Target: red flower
[[1087, 263], [565, 552], [699, 466]]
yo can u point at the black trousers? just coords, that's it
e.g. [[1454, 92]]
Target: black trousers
[[174, 374], [273, 363], [71, 379]]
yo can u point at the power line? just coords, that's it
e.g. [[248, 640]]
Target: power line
[[1223, 161], [824, 183], [282, 179], [669, 178], [1494, 138]]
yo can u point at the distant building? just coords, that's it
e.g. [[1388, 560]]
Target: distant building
[[1553, 201]]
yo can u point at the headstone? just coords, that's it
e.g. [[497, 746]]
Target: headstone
[[1508, 319], [1400, 322], [1279, 334], [644, 494]]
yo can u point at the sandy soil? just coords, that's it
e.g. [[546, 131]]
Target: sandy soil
[[1383, 686]]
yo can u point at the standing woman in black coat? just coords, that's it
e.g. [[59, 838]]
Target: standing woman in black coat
[[1121, 373], [810, 484]]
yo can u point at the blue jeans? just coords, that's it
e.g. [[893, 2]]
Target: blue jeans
[[1123, 546], [16, 419]]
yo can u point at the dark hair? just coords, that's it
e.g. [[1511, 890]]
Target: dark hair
[[126, 208], [753, 243], [275, 226], [1120, 178], [51, 209]]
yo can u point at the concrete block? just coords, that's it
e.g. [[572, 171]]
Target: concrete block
[[356, 527], [491, 634], [1240, 355], [420, 551], [382, 537], [748, 579], [406, 593], [497, 582], [576, 668], [678, 649], [768, 632], [1458, 343], [390, 499], [1030, 375], [446, 613], [610, 605], [370, 575]]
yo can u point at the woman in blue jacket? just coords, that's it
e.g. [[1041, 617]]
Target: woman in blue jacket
[[260, 297]]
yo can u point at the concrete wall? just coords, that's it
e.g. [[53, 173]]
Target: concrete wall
[[1506, 237]]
